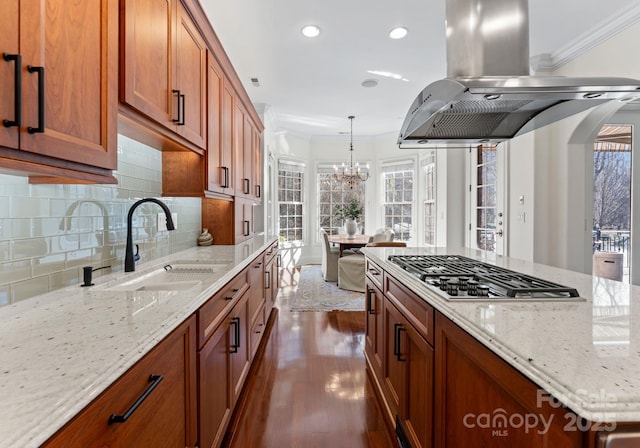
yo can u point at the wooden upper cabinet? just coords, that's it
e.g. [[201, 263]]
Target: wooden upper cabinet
[[9, 44], [163, 73], [256, 164], [145, 57], [219, 134], [61, 81], [247, 154], [191, 76]]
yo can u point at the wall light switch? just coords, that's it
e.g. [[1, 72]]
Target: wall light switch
[[162, 221]]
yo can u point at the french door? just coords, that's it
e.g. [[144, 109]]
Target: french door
[[487, 215]]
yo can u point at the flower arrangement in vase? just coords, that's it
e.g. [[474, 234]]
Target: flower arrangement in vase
[[350, 212]]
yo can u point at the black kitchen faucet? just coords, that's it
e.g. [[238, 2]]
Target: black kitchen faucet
[[130, 258]]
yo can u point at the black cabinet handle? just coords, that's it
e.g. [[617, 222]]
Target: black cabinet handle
[[399, 356], [258, 191], [225, 176], [370, 301], [184, 109], [246, 228], [397, 328], [234, 291], [40, 72], [236, 335], [177, 92], [17, 90], [279, 261], [268, 273], [155, 380], [246, 185]]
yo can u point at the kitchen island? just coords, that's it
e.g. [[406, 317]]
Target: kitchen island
[[572, 361], [61, 350]]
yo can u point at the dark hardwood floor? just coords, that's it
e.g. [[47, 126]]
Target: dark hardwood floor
[[309, 388]]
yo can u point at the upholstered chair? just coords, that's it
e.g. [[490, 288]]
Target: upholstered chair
[[330, 257], [351, 268]]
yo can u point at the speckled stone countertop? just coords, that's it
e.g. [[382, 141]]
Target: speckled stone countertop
[[58, 351], [586, 354]]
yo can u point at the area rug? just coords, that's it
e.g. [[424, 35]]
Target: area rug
[[314, 294]]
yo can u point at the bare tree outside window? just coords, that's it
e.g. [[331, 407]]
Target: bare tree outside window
[[290, 200], [332, 193], [612, 189], [398, 199]]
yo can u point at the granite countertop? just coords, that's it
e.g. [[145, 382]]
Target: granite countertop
[[60, 350], [586, 354]]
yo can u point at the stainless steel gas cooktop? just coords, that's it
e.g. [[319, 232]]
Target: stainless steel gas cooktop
[[454, 277]]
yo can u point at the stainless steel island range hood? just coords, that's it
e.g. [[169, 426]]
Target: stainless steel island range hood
[[488, 95]]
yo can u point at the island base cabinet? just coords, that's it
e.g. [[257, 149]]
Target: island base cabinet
[[482, 401], [408, 372], [156, 398]]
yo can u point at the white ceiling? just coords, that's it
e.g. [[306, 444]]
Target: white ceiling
[[312, 85]]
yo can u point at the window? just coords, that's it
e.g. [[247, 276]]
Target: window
[[290, 200], [486, 197], [429, 205], [332, 193], [398, 198]]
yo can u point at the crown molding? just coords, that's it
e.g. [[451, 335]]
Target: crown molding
[[586, 41]]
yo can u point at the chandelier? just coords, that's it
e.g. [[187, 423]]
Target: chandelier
[[351, 174]]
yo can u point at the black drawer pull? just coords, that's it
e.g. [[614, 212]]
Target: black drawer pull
[[17, 90], [246, 228], [268, 274], [225, 172], [258, 191], [155, 380], [370, 301], [40, 72], [247, 187], [234, 291], [400, 329], [177, 92]]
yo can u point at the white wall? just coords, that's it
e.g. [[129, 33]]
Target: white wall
[[559, 158]]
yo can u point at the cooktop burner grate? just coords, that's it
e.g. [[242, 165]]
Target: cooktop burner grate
[[458, 277]]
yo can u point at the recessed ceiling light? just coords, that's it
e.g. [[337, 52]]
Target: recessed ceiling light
[[398, 33], [310, 31], [369, 83]]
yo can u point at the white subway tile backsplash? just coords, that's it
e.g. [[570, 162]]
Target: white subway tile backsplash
[[48, 232]]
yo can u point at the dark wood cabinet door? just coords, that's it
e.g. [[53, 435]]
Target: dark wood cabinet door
[[166, 417], [215, 386], [473, 383], [374, 326], [9, 37], [239, 347], [227, 129], [394, 371], [190, 65], [256, 288], [71, 101], [240, 185], [146, 70], [417, 403], [217, 167]]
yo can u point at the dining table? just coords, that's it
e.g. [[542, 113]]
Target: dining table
[[349, 242]]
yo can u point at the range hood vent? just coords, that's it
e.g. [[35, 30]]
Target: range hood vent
[[488, 95]]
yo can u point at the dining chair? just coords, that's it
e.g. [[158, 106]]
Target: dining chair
[[351, 272], [330, 257]]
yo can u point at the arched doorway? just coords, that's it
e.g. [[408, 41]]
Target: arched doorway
[[612, 181]]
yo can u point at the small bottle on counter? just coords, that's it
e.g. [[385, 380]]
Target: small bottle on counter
[[205, 238]]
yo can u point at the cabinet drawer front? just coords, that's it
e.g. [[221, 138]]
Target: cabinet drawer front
[[417, 311], [374, 272], [256, 331], [271, 252], [161, 418], [210, 313]]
